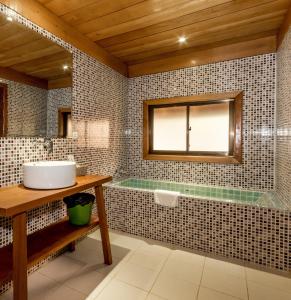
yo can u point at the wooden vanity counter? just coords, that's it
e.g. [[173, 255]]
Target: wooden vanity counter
[[27, 250]]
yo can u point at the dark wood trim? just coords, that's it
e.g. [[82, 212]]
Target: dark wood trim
[[3, 109], [236, 158], [10, 74], [62, 110], [284, 28]]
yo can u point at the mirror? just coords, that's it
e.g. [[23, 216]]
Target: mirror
[[35, 83]]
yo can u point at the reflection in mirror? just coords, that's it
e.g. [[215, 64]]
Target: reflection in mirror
[[35, 83]]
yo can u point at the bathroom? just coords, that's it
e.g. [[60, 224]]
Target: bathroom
[[223, 231]]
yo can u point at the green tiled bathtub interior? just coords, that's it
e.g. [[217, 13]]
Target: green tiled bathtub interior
[[216, 193]]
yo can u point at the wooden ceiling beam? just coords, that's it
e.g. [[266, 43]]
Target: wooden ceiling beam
[[9, 74], [207, 56], [284, 28], [40, 15]]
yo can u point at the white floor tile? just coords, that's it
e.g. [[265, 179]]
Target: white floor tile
[[208, 294], [177, 268], [137, 276], [154, 297], [262, 292], [225, 283], [172, 288], [117, 290], [269, 280], [62, 268], [225, 267], [147, 259]]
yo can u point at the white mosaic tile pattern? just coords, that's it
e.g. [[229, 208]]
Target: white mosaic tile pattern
[[283, 149], [255, 76]]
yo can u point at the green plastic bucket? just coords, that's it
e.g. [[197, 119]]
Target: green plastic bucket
[[80, 215], [79, 208]]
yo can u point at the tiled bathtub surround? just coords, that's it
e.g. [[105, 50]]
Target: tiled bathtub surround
[[255, 76], [245, 232], [283, 149]]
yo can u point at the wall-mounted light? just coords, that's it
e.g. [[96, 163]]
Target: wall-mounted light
[[9, 18], [65, 67], [182, 39]]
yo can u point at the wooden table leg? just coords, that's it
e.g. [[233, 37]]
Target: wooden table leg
[[103, 225], [72, 246], [19, 257]]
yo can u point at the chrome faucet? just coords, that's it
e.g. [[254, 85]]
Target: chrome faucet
[[47, 144]]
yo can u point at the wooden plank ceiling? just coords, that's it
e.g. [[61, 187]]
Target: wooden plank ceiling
[[27, 57], [142, 33]]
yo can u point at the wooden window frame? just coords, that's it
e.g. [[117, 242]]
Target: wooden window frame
[[4, 110], [61, 112], [236, 145]]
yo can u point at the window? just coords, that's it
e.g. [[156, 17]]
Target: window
[[204, 128]]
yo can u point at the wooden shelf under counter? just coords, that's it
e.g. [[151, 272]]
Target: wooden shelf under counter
[[43, 243], [27, 250]]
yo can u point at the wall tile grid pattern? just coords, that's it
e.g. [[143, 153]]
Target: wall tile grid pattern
[[27, 106], [256, 76], [243, 232], [57, 98], [98, 96], [283, 149]]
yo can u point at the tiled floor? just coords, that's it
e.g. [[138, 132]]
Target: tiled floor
[[147, 270]]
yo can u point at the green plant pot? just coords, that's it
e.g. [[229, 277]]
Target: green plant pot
[[80, 215]]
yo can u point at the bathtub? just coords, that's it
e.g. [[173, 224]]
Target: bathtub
[[249, 226], [247, 197]]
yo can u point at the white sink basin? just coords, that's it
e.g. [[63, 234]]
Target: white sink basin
[[47, 175]]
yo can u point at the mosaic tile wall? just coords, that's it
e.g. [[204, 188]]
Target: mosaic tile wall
[[256, 76], [283, 149], [244, 232], [57, 98], [98, 103], [26, 109]]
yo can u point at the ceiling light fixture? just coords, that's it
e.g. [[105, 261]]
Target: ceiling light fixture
[[182, 39]]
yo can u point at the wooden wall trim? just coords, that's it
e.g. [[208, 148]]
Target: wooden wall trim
[[10, 74], [284, 28], [43, 17], [207, 56]]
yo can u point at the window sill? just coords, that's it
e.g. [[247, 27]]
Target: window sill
[[201, 159]]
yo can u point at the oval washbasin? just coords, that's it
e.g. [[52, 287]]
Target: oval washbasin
[[47, 175]]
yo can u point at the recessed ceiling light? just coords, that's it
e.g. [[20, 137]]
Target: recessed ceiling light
[[182, 39], [193, 61], [9, 18], [65, 67]]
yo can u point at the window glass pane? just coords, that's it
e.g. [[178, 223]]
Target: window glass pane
[[209, 127], [169, 128]]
